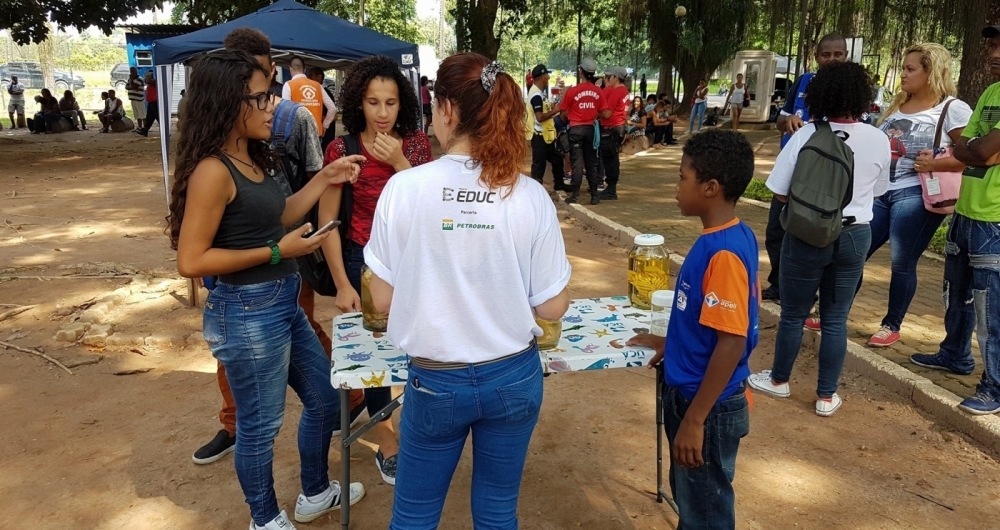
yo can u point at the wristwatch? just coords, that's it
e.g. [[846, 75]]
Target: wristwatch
[[275, 252]]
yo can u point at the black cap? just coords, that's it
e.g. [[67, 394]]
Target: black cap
[[539, 71], [991, 31]]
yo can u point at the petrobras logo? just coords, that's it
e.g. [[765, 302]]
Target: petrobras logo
[[447, 224], [308, 91], [712, 300]]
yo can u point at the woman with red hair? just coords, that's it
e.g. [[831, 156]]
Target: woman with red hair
[[467, 251]]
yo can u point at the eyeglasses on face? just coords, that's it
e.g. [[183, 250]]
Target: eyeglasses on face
[[262, 98]]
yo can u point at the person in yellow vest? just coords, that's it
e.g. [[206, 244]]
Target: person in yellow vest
[[541, 130], [309, 94]]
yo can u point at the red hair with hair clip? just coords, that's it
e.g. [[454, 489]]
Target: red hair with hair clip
[[492, 121]]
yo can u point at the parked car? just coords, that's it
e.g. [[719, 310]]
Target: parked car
[[30, 75], [119, 76]]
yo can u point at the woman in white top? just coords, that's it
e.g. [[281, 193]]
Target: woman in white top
[[900, 218], [466, 251], [840, 92], [699, 106], [737, 94]]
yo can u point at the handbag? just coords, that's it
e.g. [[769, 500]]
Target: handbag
[[940, 188]]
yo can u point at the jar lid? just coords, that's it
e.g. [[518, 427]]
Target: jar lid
[[662, 298], [649, 240]]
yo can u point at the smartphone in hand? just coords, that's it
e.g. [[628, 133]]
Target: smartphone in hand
[[326, 228]]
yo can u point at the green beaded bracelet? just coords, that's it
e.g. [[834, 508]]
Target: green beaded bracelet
[[275, 252]]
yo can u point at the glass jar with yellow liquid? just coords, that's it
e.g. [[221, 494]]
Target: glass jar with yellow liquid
[[371, 319], [648, 269], [551, 332]]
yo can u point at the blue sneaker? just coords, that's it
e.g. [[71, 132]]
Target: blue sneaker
[[980, 404], [938, 362]]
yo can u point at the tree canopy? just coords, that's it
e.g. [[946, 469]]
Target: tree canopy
[[27, 20]]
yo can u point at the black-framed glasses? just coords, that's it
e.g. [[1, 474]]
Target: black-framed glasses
[[262, 98]]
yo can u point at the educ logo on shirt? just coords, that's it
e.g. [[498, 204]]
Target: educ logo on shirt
[[447, 224]]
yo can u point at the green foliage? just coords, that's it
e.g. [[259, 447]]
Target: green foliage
[[211, 12], [396, 18], [83, 52], [940, 237], [27, 20], [758, 191]]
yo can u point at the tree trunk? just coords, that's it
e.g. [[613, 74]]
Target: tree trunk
[[482, 19], [579, 36], [461, 14], [974, 76], [46, 56]]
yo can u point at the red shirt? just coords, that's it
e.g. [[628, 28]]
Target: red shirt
[[151, 93], [618, 100], [583, 103], [374, 175]]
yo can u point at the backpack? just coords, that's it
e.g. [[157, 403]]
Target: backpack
[[312, 267], [822, 186]]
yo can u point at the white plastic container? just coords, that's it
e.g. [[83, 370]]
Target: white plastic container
[[661, 303]]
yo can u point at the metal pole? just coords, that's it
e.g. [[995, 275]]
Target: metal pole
[[345, 458], [802, 37], [659, 434]]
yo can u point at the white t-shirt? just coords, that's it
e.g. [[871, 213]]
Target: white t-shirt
[[912, 133], [466, 266], [16, 91], [871, 165], [738, 94]]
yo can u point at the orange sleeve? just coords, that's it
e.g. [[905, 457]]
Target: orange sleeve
[[727, 293]]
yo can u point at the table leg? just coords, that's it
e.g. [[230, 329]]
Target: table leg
[[661, 495], [659, 434], [345, 458]]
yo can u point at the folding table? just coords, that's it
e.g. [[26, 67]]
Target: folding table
[[593, 338]]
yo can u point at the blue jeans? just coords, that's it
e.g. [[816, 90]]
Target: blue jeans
[[804, 270], [499, 404], [901, 219], [972, 297], [263, 339], [704, 495], [376, 399], [698, 113]]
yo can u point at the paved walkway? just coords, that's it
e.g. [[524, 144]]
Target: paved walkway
[[646, 203]]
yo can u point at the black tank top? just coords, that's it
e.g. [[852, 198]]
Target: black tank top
[[253, 218]]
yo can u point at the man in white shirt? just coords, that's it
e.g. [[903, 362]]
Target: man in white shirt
[[16, 105], [113, 111], [295, 90]]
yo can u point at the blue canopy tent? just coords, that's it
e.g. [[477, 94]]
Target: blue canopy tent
[[320, 39]]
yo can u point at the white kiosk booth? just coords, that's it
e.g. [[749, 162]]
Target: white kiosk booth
[[759, 68]]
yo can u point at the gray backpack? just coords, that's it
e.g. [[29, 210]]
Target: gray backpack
[[822, 186]]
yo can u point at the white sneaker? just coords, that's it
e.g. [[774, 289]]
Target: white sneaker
[[827, 406], [763, 383], [311, 508], [278, 523]]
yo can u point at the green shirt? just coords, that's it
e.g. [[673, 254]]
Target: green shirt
[[979, 198]]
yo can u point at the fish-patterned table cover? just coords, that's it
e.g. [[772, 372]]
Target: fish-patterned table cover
[[593, 338]]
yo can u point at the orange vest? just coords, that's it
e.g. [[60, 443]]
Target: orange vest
[[309, 94]]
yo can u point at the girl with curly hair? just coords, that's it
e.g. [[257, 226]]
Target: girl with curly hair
[[381, 114], [467, 250], [841, 94], [227, 218]]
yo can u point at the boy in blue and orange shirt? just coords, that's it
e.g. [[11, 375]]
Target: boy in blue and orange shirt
[[712, 331]]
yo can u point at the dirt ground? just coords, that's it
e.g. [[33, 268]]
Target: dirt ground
[[83, 213]]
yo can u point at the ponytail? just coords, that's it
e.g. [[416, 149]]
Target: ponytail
[[493, 120]]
